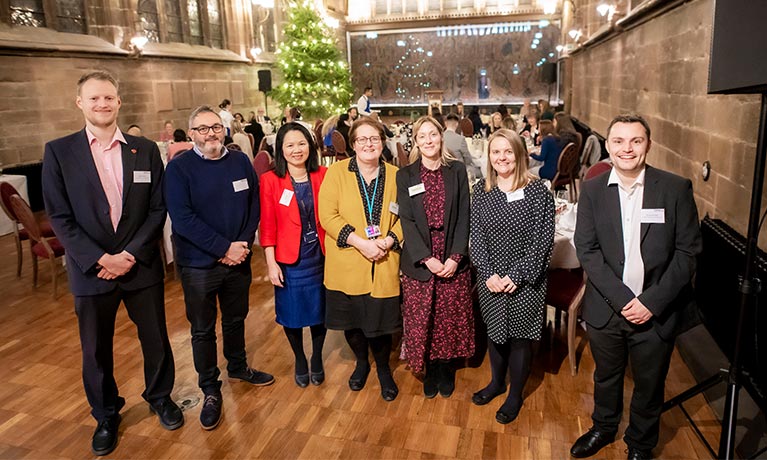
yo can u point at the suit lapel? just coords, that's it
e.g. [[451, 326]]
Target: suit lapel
[[129, 166], [82, 151], [613, 209], [651, 198]]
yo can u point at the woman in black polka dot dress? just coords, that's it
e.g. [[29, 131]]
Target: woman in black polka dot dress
[[512, 234]]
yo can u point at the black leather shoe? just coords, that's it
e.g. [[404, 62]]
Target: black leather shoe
[[639, 454], [389, 390], [210, 415], [504, 417], [481, 398], [302, 380], [105, 436], [591, 443], [317, 377], [168, 412], [359, 378], [253, 377], [431, 382]]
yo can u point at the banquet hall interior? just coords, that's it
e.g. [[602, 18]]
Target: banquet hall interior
[[592, 59]]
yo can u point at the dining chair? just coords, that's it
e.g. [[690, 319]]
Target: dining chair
[[40, 246], [262, 163], [339, 143], [567, 171], [596, 169], [19, 234], [467, 127], [564, 292]]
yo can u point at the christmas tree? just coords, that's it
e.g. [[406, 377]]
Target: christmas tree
[[315, 75]]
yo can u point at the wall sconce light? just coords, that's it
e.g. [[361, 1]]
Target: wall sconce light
[[137, 44], [255, 52], [575, 34], [549, 6], [608, 10]]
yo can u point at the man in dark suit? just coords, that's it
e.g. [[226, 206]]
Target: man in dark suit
[[637, 237], [103, 193]]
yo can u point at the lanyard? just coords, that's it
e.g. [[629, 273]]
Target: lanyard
[[302, 205], [367, 198]]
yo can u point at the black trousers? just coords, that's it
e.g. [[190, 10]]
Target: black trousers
[[202, 288], [96, 319], [614, 346]]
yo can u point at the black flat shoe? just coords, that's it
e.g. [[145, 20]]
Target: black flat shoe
[[504, 418], [318, 377], [358, 383], [105, 437], [169, 414], [389, 390], [590, 443], [480, 399], [302, 380], [446, 380]]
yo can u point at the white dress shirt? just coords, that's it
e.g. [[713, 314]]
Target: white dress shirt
[[631, 217]]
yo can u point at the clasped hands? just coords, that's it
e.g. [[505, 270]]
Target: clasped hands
[[375, 249], [442, 270], [114, 265], [500, 285], [635, 312], [236, 254]]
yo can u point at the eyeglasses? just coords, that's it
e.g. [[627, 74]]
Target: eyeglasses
[[217, 128], [375, 140]]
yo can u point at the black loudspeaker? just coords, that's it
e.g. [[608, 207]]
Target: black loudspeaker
[[549, 73], [738, 63], [265, 80]]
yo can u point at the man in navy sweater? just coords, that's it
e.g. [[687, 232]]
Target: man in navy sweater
[[212, 198]]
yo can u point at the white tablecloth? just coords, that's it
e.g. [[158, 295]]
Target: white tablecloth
[[478, 149], [20, 184], [563, 255]]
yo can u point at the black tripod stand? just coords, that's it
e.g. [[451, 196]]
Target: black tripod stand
[[748, 290]]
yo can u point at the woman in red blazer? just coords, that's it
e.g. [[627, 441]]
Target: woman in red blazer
[[293, 243]]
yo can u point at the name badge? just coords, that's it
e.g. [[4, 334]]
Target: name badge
[[142, 177], [287, 195], [516, 195], [373, 231], [394, 208], [240, 185], [416, 189], [653, 216], [310, 236]]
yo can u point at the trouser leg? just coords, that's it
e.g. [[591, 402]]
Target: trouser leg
[[233, 297], [610, 351]]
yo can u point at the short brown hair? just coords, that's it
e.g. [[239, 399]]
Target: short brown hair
[[630, 118], [522, 175], [102, 75], [366, 121]]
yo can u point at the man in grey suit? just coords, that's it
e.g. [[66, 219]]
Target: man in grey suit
[[637, 237], [457, 146]]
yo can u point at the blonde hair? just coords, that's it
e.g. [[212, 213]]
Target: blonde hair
[[521, 173], [445, 156], [329, 124], [237, 127]]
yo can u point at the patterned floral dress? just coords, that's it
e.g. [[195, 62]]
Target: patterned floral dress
[[437, 314]]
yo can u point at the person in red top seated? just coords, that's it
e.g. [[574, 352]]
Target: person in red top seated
[[295, 259]]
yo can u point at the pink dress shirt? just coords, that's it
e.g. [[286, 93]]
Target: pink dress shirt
[[109, 164]]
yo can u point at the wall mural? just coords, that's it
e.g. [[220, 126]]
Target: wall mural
[[495, 63]]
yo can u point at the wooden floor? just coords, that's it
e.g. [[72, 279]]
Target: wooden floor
[[44, 413]]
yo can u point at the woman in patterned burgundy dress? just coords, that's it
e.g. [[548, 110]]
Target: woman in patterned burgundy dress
[[433, 197]]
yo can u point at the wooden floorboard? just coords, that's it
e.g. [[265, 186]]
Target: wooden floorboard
[[44, 413]]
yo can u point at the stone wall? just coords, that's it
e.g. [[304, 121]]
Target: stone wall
[[38, 96], [660, 70]]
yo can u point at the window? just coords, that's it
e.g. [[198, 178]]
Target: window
[[195, 23], [214, 24], [27, 13], [147, 13], [264, 35], [173, 21]]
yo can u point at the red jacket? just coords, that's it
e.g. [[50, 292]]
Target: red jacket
[[281, 225]]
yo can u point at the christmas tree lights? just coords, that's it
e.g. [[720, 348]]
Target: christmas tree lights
[[315, 76]]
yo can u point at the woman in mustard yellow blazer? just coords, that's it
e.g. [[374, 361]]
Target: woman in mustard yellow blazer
[[358, 210]]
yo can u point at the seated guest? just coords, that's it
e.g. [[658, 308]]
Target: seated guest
[[509, 123], [343, 126], [180, 144], [167, 134], [134, 130], [552, 145], [240, 138], [257, 131], [530, 129], [437, 115], [545, 110], [476, 121], [458, 148], [496, 122], [327, 130], [524, 111], [503, 111]]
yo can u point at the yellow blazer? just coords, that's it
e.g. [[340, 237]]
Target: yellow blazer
[[340, 203]]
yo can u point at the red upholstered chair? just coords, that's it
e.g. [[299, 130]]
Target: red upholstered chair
[[262, 163], [467, 128], [565, 292], [339, 143], [19, 234], [41, 247], [596, 169]]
